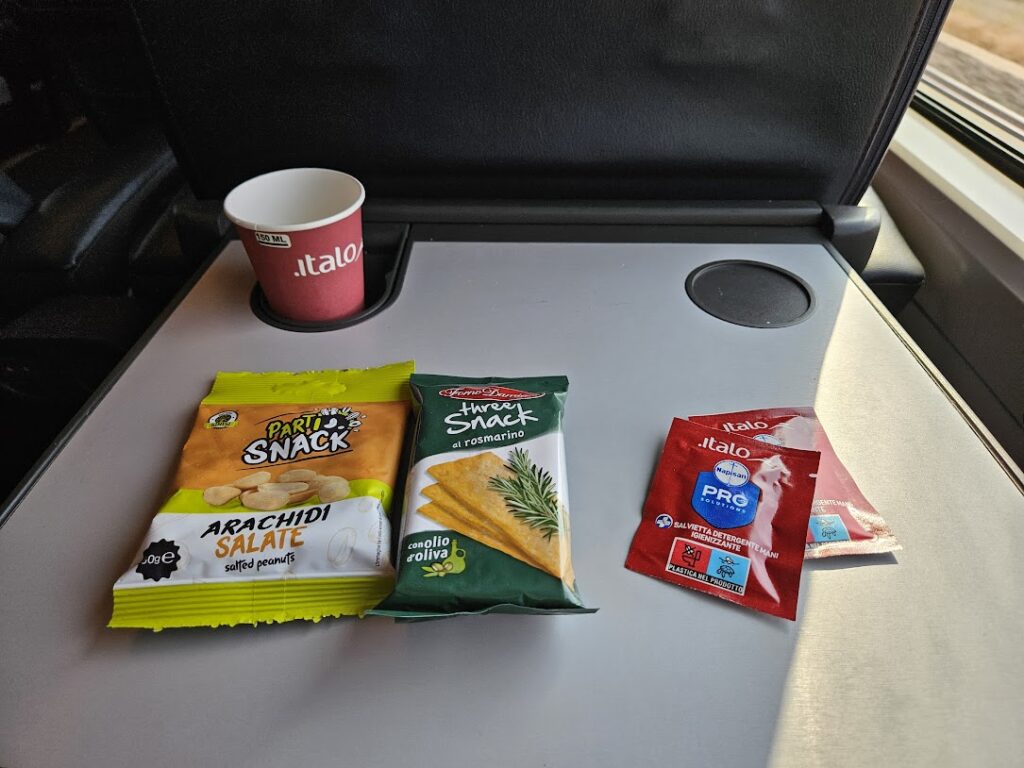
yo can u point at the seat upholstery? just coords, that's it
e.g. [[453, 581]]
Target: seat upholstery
[[78, 240], [647, 99]]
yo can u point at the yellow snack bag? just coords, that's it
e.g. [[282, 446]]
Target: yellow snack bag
[[281, 501]]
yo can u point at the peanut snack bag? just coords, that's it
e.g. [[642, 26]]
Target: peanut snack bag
[[842, 522], [486, 524], [280, 507]]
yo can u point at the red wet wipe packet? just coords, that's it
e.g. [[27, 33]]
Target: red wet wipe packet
[[842, 521], [727, 515]]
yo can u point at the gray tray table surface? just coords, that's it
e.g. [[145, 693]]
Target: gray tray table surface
[[912, 659]]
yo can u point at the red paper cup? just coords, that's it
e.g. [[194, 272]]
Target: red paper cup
[[303, 231]]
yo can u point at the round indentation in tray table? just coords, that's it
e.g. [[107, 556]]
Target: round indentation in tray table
[[261, 308], [750, 293]]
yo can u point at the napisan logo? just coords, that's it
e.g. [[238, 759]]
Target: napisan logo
[[320, 265], [732, 473]]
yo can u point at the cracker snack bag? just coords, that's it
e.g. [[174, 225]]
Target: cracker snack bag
[[486, 525], [842, 522], [280, 507]]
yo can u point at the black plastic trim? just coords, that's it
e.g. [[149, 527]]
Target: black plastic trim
[[853, 230], [597, 212], [620, 233], [1004, 158]]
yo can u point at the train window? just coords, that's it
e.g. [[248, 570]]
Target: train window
[[973, 87]]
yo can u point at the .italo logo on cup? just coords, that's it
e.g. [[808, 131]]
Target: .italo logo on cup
[[321, 265]]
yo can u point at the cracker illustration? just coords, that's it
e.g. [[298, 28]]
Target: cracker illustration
[[472, 522], [448, 519], [468, 480]]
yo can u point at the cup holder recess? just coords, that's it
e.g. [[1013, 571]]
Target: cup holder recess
[[384, 260], [750, 293]]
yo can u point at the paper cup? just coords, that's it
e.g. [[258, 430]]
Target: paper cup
[[303, 231]]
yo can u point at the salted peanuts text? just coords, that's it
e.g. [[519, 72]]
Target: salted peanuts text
[[283, 531]]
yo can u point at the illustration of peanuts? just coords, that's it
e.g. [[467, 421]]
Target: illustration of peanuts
[[335, 489], [285, 487], [251, 481], [219, 495], [297, 497], [319, 480], [297, 476], [294, 486], [297, 492], [339, 550], [265, 501]]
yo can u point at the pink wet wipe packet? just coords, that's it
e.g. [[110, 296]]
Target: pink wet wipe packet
[[842, 521]]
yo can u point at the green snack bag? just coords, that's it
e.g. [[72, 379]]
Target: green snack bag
[[486, 525]]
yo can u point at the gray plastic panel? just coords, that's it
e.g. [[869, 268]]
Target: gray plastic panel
[[906, 660]]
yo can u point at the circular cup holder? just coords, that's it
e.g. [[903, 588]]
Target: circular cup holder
[[262, 310], [750, 293]]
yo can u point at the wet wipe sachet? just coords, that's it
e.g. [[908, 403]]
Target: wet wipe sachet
[[842, 521], [727, 515]]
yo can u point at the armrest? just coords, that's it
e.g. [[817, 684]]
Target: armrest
[[80, 235], [871, 243], [892, 270], [15, 203]]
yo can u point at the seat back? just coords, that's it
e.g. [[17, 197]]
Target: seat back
[[608, 99]]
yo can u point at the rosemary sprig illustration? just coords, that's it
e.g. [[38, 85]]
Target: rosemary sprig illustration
[[529, 494]]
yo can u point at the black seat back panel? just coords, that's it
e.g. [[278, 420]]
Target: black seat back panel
[[647, 99]]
